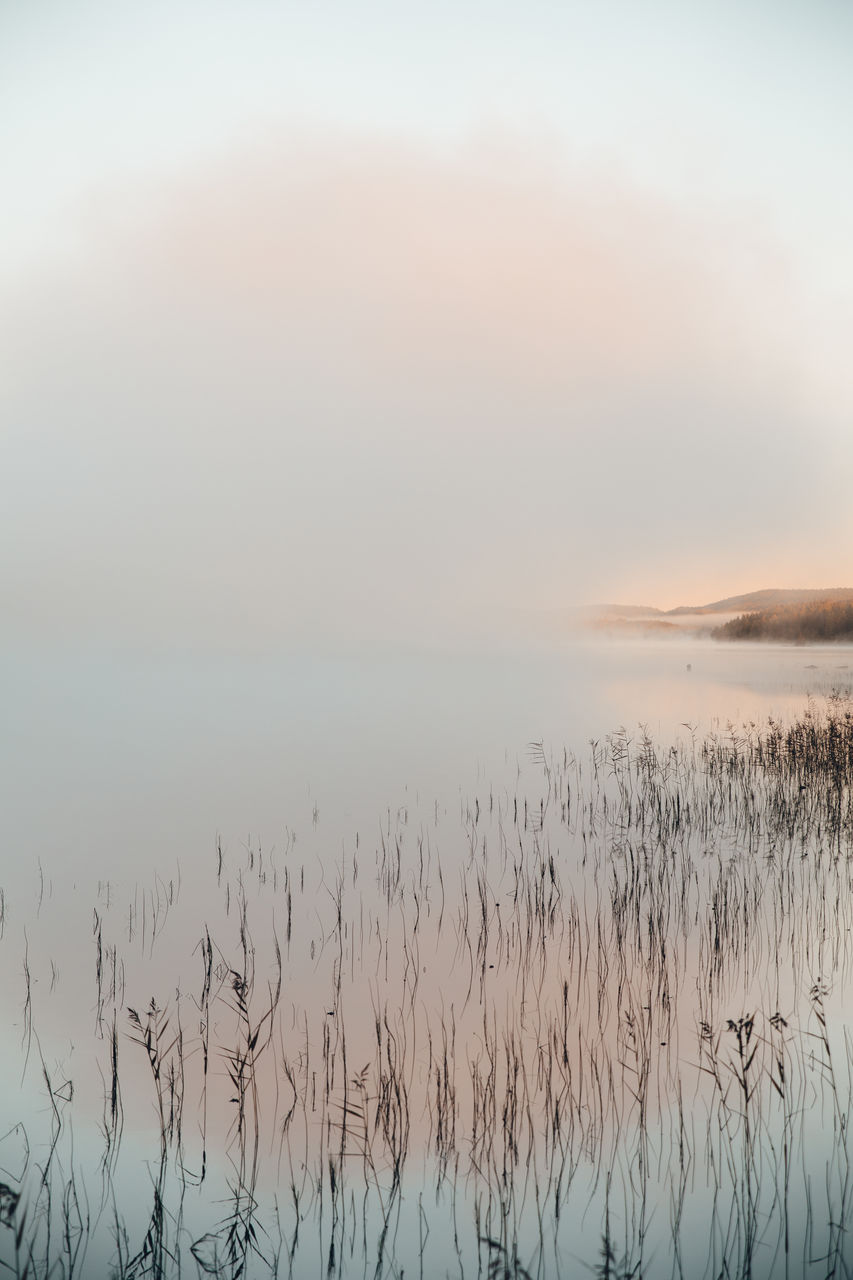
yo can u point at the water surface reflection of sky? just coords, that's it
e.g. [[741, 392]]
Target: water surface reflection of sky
[[115, 763]]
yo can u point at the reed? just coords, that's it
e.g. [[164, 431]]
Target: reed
[[595, 1022]]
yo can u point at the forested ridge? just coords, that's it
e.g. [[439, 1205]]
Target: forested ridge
[[814, 621]]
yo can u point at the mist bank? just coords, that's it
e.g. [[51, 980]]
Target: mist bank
[[337, 392], [799, 615]]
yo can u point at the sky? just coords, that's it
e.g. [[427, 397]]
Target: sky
[[328, 324]]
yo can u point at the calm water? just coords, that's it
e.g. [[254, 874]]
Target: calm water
[[445, 1085], [113, 765]]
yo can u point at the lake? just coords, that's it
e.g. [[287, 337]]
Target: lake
[[424, 963], [111, 762]]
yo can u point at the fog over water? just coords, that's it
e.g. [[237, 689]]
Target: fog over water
[[365, 906], [305, 351]]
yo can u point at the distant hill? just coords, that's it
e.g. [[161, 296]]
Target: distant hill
[[632, 626], [623, 611], [705, 619], [810, 622], [770, 598]]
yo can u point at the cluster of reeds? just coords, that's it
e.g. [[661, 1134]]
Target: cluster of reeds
[[594, 1018]]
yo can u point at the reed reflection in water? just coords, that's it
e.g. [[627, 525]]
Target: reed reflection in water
[[590, 1020]]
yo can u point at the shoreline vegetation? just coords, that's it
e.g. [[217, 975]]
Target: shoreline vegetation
[[785, 616]]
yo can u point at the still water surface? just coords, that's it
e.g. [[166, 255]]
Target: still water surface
[[502, 1037], [113, 764]]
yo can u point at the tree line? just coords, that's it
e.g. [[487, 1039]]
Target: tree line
[[799, 623]]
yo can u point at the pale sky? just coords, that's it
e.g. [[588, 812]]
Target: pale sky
[[380, 317]]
